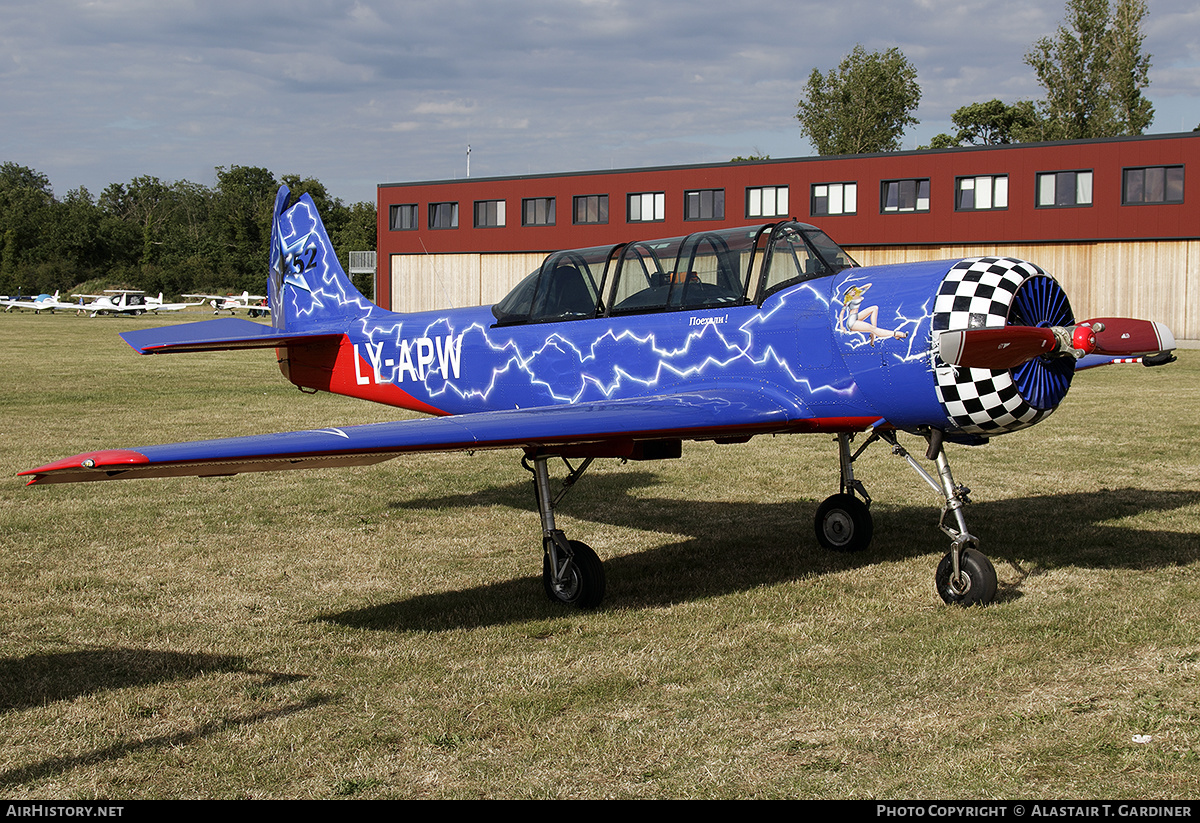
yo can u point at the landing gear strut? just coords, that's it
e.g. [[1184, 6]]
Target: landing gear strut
[[965, 576], [843, 522], [571, 572]]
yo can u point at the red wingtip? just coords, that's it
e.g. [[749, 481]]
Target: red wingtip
[[84, 463]]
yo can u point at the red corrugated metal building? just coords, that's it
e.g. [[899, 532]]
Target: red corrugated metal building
[[1082, 197]]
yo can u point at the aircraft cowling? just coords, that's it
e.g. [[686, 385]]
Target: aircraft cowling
[[994, 292]]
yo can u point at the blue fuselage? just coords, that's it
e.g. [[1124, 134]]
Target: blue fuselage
[[800, 347]]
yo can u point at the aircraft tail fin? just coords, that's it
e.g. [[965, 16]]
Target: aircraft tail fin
[[311, 298], [307, 288]]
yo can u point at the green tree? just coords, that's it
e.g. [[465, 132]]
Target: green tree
[[26, 206], [1093, 71], [359, 232], [75, 237], [1129, 69], [144, 208], [154, 235], [863, 106], [990, 124], [241, 223]]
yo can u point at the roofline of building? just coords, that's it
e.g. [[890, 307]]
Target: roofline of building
[[792, 160]]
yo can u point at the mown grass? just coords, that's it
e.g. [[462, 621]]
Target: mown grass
[[381, 631]]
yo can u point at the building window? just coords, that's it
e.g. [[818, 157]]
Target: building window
[[834, 198], [1064, 189], [904, 195], [767, 201], [489, 214], [537, 211], [443, 215], [983, 192], [1153, 184], [403, 218], [705, 204], [647, 207], [591, 208]]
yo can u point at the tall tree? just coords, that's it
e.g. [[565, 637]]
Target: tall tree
[[1093, 71], [241, 219], [144, 207], [1129, 69], [863, 106], [26, 201]]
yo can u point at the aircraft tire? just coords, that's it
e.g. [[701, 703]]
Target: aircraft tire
[[844, 524], [584, 587], [979, 577]]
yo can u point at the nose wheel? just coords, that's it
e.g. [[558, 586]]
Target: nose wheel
[[843, 522], [975, 583]]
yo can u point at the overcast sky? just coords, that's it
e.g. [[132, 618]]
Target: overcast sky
[[360, 93]]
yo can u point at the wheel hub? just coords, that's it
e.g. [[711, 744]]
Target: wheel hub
[[838, 527], [960, 585]]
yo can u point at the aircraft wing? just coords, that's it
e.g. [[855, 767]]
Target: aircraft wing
[[615, 425]]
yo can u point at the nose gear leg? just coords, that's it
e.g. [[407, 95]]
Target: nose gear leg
[[965, 576]]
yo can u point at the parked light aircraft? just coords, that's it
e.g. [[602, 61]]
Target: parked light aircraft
[[157, 304], [128, 301], [627, 350], [39, 304], [114, 301], [256, 305]]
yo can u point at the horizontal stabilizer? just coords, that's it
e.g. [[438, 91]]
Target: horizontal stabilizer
[[224, 334]]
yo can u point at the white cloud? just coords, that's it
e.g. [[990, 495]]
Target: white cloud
[[354, 91]]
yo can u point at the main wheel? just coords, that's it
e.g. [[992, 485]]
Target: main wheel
[[583, 584], [844, 524], [977, 585]]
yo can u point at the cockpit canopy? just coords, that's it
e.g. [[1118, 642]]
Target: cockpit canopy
[[709, 269]]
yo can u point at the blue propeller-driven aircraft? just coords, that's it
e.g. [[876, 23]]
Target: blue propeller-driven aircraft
[[627, 350]]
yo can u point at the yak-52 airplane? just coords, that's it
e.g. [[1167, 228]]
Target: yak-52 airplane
[[627, 350]]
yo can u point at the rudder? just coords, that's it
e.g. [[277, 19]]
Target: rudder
[[307, 286]]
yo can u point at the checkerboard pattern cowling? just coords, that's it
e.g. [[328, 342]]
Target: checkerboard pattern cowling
[[978, 294]]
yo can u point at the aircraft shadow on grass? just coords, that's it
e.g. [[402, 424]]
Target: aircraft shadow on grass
[[40, 679], [730, 547]]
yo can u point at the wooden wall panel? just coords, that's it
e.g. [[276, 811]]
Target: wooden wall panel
[[425, 282], [1155, 280]]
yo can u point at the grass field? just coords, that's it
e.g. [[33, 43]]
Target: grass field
[[381, 632]]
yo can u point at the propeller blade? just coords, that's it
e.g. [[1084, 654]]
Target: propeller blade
[[1001, 348], [1130, 336]]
